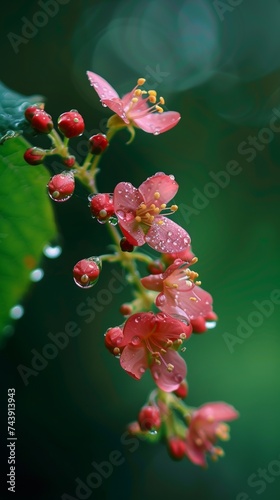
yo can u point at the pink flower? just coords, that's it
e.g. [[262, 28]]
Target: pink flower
[[149, 341], [133, 108], [139, 214], [180, 296], [205, 427]]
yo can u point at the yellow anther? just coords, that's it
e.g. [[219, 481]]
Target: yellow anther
[[183, 336], [144, 92], [157, 210], [155, 354], [162, 100], [141, 81], [163, 205], [152, 99], [156, 195], [134, 99], [163, 351], [160, 222], [138, 218], [116, 351], [152, 206], [159, 109], [138, 92], [174, 285], [194, 260], [143, 206], [193, 299], [152, 92], [174, 208], [170, 367], [198, 283], [151, 218], [178, 342], [169, 343], [157, 361]]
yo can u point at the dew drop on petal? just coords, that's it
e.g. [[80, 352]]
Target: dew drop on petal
[[52, 251], [169, 233], [142, 369], [16, 312], [36, 275], [113, 221], [161, 300], [172, 177], [136, 340]]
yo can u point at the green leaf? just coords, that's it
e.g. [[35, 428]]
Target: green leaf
[[26, 223], [12, 107]]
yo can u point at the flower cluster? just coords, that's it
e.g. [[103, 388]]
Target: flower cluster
[[168, 304]]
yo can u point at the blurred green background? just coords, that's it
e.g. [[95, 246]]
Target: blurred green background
[[217, 63]]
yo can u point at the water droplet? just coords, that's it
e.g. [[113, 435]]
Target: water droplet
[[153, 432], [16, 312], [142, 369], [172, 177], [96, 85], [36, 275], [186, 241], [175, 243], [104, 105], [210, 324], [169, 233], [113, 221], [136, 340], [161, 300], [52, 251]]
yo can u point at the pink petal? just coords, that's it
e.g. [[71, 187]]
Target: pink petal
[[167, 236], [161, 183], [134, 361], [137, 327], [133, 232], [107, 94], [195, 454], [220, 412], [153, 282], [126, 198], [137, 108], [170, 328], [165, 380], [181, 304], [157, 123]]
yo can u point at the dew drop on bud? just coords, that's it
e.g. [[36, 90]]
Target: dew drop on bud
[[36, 275], [86, 272], [16, 312], [52, 251]]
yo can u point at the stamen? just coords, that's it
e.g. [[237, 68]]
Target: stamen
[[138, 92], [152, 99], [160, 222], [156, 195], [159, 108], [162, 100], [183, 336], [169, 343], [138, 218], [174, 208], [141, 81], [116, 351], [198, 283], [157, 361], [152, 92], [134, 99], [170, 367], [163, 351], [163, 205], [194, 260], [193, 299]]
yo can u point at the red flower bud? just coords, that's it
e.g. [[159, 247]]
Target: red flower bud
[[86, 272], [126, 246], [98, 143], [71, 124], [199, 325], [42, 122], [101, 206], [182, 390], [61, 186], [177, 448], [69, 162], [126, 309], [113, 339], [34, 156], [31, 110], [149, 418]]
